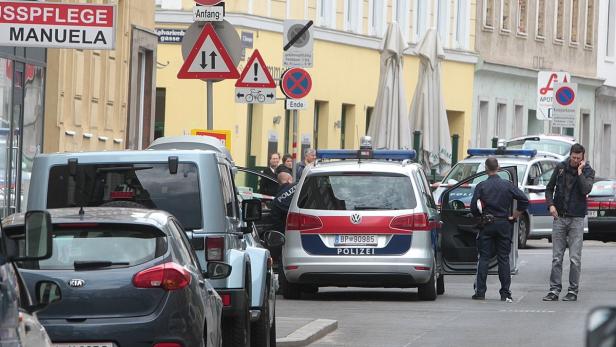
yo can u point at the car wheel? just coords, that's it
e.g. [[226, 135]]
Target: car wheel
[[261, 329], [289, 290], [523, 231], [440, 285], [236, 330], [428, 290]]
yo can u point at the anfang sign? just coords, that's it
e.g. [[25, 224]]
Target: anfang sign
[[56, 25]]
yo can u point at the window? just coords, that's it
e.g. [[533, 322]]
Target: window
[[488, 14], [228, 193], [461, 24], [377, 18], [519, 120], [575, 18], [501, 121], [353, 15], [482, 124], [505, 15], [540, 31], [421, 15], [606, 153], [611, 30], [402, 16], [443, 21], [326, 10], [169, 4], [369, 111], [559, 20], [159, 118], [522, 16], [585, 131], [590, 20]]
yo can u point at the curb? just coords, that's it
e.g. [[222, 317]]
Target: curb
[[308, 333]]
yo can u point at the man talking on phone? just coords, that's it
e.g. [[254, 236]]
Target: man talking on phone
[[565, 195]]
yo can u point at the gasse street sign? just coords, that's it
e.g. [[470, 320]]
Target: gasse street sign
[[54, 25], [545, 91], [255, 85], [565, 108]]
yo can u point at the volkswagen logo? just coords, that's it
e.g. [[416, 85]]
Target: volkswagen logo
[[76, 283], [355, 218]]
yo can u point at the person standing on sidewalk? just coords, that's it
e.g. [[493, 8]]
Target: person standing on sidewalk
[[310, 155], [565, 195], [496, 197], [266, 186]]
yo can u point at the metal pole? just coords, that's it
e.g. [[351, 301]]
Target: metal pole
[[210, 105], [294, 151]]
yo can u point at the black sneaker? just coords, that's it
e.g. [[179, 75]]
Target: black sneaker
[[506, 298], [570, 297], [550, 297], [478, 297]]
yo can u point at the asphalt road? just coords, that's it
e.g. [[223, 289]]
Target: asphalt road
[[396, 317]]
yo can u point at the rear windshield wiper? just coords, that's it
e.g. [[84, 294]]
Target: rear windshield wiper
[[95, 264], [359, 208], [122, 168]]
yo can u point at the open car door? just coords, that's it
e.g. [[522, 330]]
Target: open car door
[[459, 230]]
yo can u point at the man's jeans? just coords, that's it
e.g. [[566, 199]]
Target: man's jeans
[[567, 232], [495, 235]]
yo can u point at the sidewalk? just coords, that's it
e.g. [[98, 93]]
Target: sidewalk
[[295, 332]]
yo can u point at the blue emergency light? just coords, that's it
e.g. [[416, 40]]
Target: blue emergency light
[[383, 154], [480, 152]]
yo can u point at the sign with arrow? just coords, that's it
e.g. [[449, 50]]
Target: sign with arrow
[[255, 84], [208, 59]]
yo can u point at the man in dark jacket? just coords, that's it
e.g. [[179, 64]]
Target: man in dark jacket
[[266, 186], [565, 195], [496, 196], [280, 208]]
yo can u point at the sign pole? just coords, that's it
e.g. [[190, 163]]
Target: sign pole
[[210, 105], [294, 153]]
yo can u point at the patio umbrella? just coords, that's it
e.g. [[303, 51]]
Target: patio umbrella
[[427, 111], [389, 125]]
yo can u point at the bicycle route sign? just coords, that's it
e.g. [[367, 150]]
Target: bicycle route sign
[[255, 84], [296, 83]]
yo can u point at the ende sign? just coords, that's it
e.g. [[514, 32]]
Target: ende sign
[[54, 25]]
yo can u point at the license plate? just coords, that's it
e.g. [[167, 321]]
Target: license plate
[[84, 344], [355, 240], [592, 214]]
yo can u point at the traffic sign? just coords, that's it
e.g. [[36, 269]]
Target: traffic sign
[[298, 43], [565, 108], [224, 136], [255, 85], [545, 91], [208, 58], [296, 83], [208, 13], [296, 104], [208, 2]]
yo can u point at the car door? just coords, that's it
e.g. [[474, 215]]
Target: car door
[[541, 220], [459, 230], [246, 181]]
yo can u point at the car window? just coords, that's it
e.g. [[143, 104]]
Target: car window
[[544, 179], [124, 245], [460, 171], [603, 188], [534, 174], [464, 193], [424, 188], [544, 145], [357, 191], [227, 190], [148, 184]]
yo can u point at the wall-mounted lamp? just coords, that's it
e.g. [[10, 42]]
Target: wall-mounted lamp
[[69, 133], [276, 120], [337, 124]]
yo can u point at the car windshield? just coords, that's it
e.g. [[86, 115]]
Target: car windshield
[[357, 191], [462, 170], [543, 145], [149, 185], [603, 188]]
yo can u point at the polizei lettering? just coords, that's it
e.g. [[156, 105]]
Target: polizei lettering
[[355, 251], [42, 35]]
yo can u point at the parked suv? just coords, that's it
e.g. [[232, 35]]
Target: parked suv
[[191, 178]]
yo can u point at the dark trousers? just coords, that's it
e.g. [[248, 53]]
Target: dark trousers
[[494, 236]]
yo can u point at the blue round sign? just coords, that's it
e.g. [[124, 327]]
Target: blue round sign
[[296, 83]]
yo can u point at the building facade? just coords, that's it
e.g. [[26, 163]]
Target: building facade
[[345, 75], [606, 95], [516, 40]]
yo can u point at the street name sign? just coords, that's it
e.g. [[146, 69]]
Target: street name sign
[[208, 13], [565, 107], [298, 43], [208, 59], [296, 104], [545, 91], [56, 25], [296, 83], [255, 84]]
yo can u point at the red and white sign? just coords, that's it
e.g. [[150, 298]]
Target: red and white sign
[[545, 91], [208, 59], [56, 25], [208, 2], [255, 85]]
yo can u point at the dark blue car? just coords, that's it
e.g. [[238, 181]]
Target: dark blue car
[[128, 278]]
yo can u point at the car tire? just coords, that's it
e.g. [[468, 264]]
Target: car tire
[[261, 329], [440, 285], [524, 231], [236, 330], [291, 291], [427, 291]]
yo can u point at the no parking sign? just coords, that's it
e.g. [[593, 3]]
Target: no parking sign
[[296, 83], [565, 108]]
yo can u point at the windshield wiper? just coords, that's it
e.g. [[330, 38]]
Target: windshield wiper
[[359, 208], [95, 264], [122, 168]]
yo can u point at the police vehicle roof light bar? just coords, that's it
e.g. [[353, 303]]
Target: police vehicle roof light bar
[[498, 151], [384, 154]]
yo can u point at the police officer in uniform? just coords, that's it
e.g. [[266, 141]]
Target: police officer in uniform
[[280, 207], [496, 196]]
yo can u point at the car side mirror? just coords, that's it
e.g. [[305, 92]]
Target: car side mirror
[[273, 238], [47, 292], [35, 243], [601, 327], [217, 270], [251, 210]]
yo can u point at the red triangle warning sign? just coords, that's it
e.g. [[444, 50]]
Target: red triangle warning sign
[[208, 59], [255, 74]]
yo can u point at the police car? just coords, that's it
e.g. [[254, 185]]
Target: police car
[[534, 170]]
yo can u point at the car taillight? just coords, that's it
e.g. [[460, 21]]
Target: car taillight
[[411, 222], [299, 221], [607, 205], [168, 276], [215, 248], [593, 204]]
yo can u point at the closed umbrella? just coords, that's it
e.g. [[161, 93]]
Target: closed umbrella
[[389, 126], [427, 111]]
